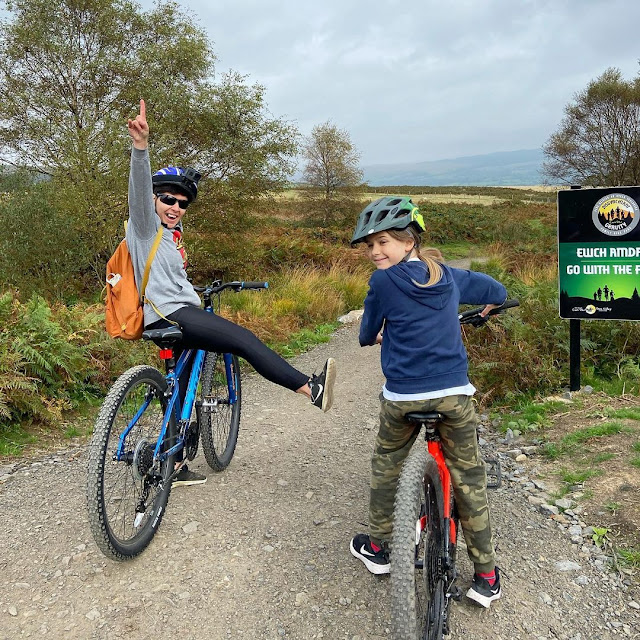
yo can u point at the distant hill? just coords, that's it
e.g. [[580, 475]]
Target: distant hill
[[503, 168]]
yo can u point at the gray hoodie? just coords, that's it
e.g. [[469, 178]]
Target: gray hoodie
[[168, 287]]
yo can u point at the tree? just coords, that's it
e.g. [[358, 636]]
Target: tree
[[226, 130], [331, 169], [598, 142], [73, 71]]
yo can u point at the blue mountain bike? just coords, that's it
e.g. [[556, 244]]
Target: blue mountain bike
[[143, 426]]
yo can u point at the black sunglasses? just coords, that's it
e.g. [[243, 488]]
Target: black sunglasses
[[169, 200]]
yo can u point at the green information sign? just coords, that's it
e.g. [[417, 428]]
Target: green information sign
[[599, 253]]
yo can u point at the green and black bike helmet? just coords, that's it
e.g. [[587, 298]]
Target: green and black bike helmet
[[389, 212]]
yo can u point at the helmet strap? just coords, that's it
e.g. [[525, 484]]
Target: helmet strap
[[408, 254]]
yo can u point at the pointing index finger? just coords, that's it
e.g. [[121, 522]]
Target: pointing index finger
[[143, 109]]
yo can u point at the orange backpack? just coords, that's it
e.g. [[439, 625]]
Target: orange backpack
[[124, 314]]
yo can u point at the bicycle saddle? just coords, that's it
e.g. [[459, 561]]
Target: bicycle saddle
[[423, 416], [165, 336]]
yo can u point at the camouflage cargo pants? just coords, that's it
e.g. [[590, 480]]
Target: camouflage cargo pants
[[468, 474]]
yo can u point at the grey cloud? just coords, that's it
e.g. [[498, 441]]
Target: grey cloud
[[423, 80]]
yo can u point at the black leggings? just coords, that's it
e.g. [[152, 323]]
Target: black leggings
[[211, 332]]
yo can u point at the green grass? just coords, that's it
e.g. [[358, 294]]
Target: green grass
[[578, 477], [455, 250], [630, 413], [307, 338], [13, 439], [597, 431], [612, 506], [611, 386], [602, 457], [629, 557], [531, 416], [570, 443]]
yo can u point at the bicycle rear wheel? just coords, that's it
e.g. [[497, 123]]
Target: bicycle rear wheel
[[419, 603], [219, 414], [127, 490]]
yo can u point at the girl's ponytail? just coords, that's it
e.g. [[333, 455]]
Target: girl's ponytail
[[431, 257]]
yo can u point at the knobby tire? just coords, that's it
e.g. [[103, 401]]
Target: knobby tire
[[115, 488], [219, 420], [418, 596]]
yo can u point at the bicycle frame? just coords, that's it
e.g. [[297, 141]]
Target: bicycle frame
[[182, 413], [435, 449]]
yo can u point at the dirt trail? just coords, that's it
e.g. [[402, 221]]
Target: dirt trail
[[266, 554]]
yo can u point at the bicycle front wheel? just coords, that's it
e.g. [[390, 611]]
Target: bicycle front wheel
[[127, 490], [418, 582], [219, 412]]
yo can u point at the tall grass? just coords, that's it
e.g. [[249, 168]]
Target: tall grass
[[298, 298], [54, 357]]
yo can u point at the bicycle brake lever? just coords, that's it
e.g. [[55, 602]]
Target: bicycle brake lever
[[479, 321]]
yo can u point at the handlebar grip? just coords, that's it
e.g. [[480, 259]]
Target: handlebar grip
[[507, 305], [474, 312], [514, 302], [255, 285]]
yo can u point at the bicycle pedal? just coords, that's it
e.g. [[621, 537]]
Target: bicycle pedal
[[176, 470], [455, 593]]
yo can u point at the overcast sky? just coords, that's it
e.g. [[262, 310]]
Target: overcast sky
[[414, 80]]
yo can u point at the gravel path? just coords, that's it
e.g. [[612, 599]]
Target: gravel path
[[261, 550]]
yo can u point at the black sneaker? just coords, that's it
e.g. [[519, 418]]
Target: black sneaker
[[187, 478], [376, 561], [482, 592], [322, 386]]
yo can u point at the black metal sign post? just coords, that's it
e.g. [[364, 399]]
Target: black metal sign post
[[574, 355], [598, 260], [574, 345]]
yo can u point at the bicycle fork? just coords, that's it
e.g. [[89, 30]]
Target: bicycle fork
[[447, 559]]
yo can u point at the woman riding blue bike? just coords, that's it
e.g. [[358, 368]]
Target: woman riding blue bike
[[162, 199]]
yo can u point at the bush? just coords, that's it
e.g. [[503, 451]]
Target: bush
[[56, 240], [526, 351], [53, 358]]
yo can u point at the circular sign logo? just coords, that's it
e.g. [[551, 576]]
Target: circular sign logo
[[616, 214], [590, 309]]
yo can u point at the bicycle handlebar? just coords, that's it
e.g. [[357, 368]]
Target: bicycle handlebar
[[474, 318], [217, 286]]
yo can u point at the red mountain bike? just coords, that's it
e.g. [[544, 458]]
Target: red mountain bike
[[425, 529]]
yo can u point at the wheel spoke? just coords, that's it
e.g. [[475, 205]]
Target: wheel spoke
[[116, 489], [220, 418]]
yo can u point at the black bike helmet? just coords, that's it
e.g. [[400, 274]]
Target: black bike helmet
[[184, 180], [388, 212]]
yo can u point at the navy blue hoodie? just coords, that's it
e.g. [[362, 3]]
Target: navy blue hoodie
[[422, 347]]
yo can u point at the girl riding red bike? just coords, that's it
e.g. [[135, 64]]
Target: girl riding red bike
[[415, 300]]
